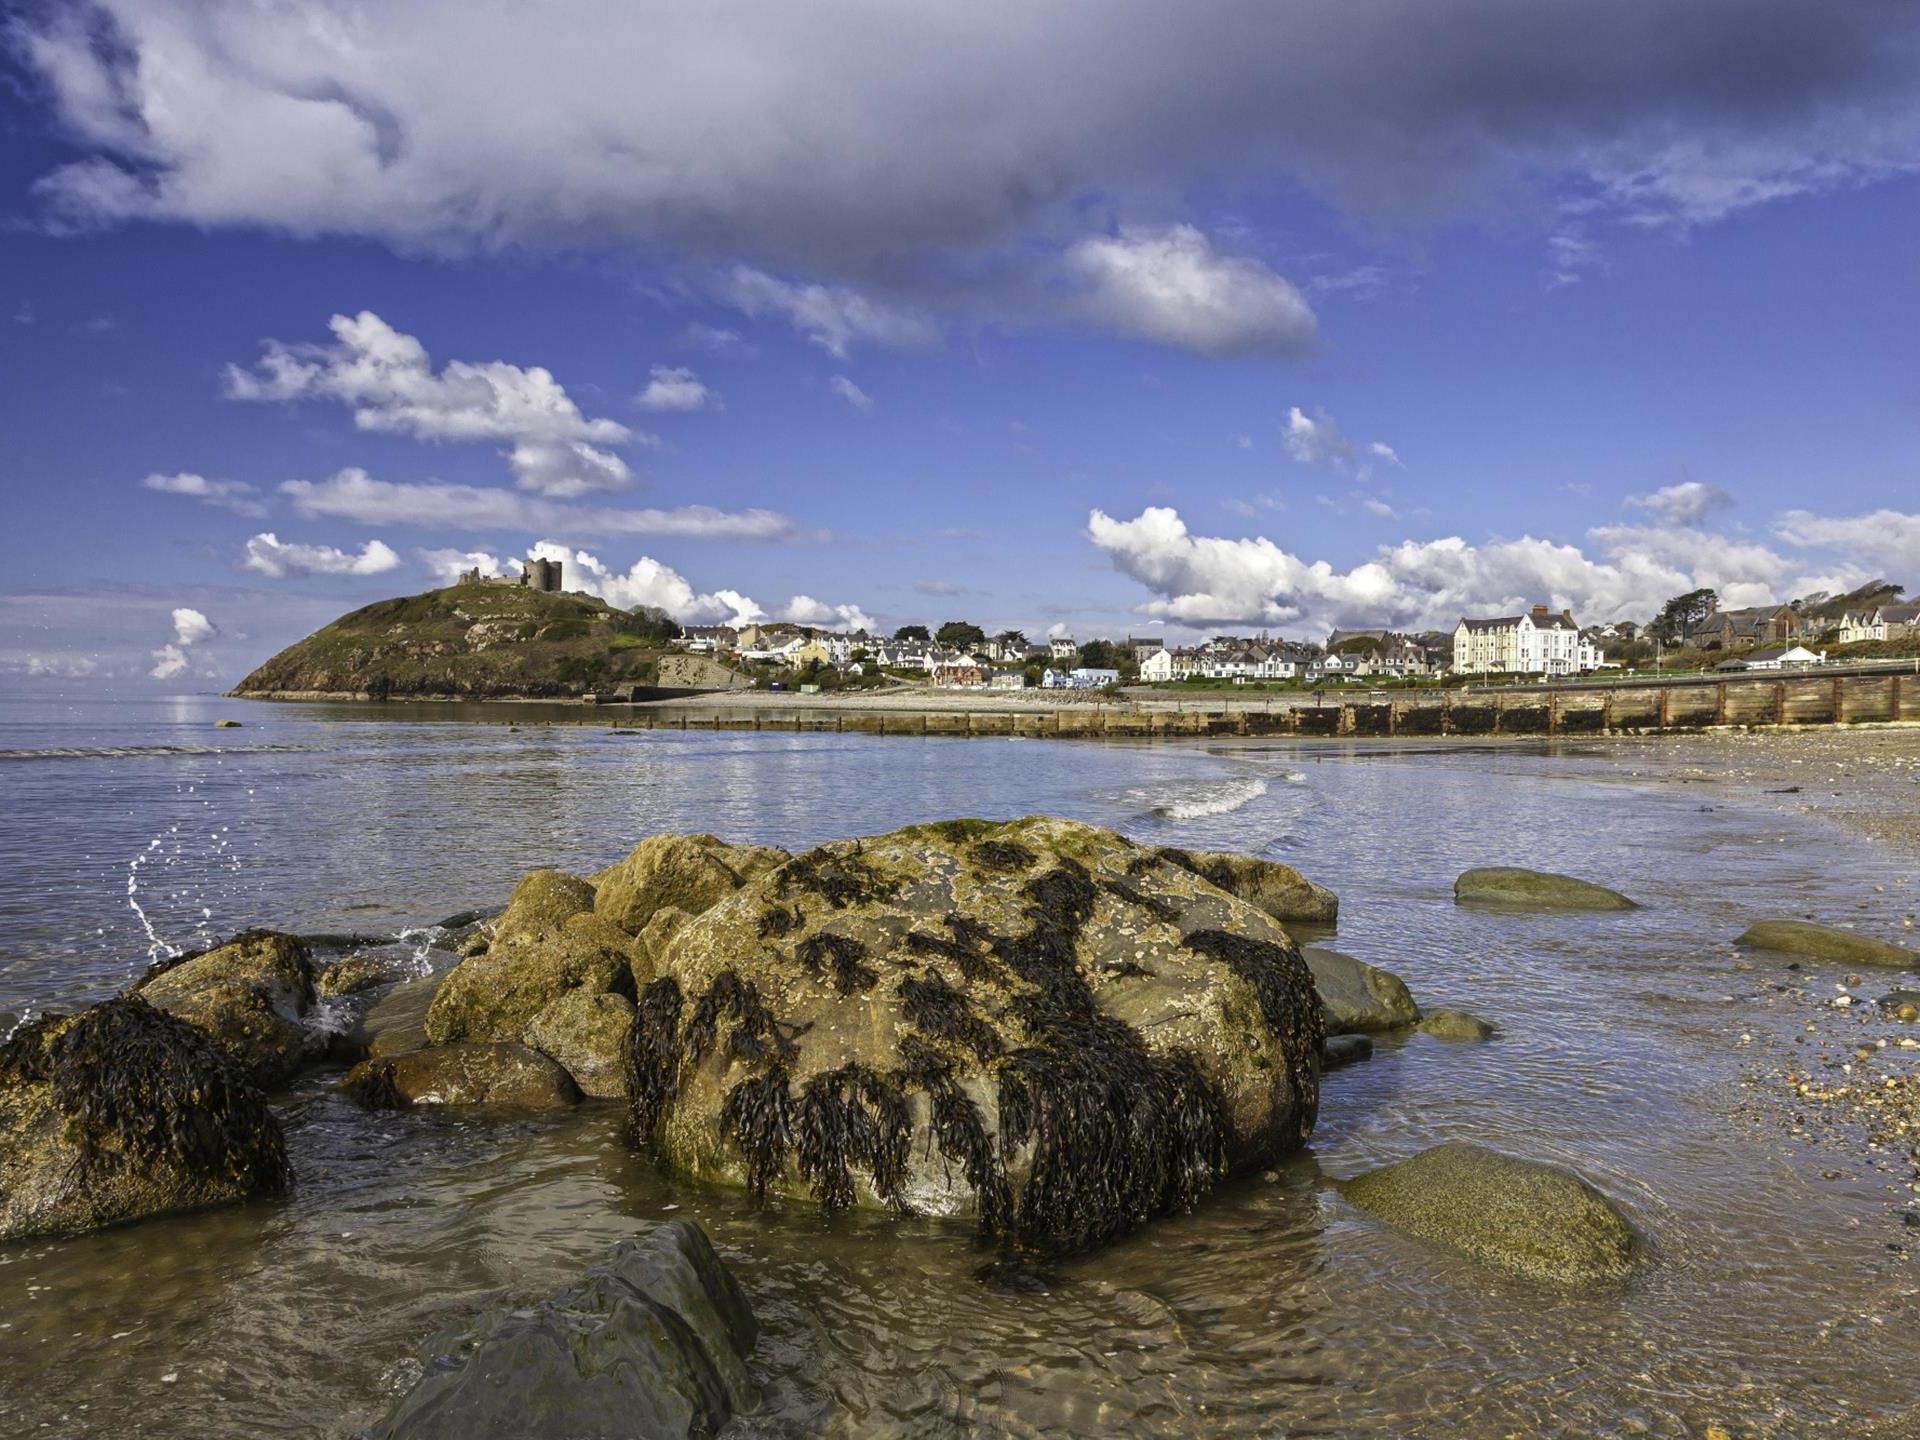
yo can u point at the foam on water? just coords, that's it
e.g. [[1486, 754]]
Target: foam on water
[[1198, 799]]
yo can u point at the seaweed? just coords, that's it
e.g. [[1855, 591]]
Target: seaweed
[[1164, 911], [1282, 987], [974, 964], [840, 877], [852, 1115], [780, 921], [651, 1058], [940, 1012], [755, 1031], [757, 1116], [1003, 855], [840, 956], [23, 1055], [1217, 873], [961, 1135], [372, 1085]]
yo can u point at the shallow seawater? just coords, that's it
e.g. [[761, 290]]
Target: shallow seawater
[[1772, 1304]]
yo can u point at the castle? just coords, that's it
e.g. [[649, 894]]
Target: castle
[[534, 575]]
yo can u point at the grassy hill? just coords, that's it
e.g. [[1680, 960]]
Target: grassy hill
[[473, 641]]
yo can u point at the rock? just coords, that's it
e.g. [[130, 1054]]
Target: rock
[[1455, 1026], [1824, 942], [397, 1021], [587, 1034], [1343, 1050], [1040, 1025], [651, 1343], [249, 995], [683, 872], [351, 975], [465, 1074], [1280, 890], [1902, 1005], [1358, 997], [652, 942], [123, 1111], [1522, 1216], [549, 942], [226, 724], [1535, 890]]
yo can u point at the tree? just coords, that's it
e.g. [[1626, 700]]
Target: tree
[[912, 632], [960, 635], [1680, 614], [1098, 655], [1015, 638]]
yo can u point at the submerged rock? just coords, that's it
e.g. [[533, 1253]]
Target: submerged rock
[[1535, 890], [682, 872], [1455, 1026], [397, 1021], [1040, 1025], [1359, 998], [651, 1343], [548, 942], [1825, 942], [123, 1111], [1522, 1216], [352, 975], [510, 1076], [1343, 1050], [587, 1034], [1280, 890], [249, 996]]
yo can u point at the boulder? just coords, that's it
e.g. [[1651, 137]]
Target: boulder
[[397, 1021], [1824, 942], [465, 1074], [493, 995], [351, 975], [652, 942], [1343, 1050], [1535, 890], [1456, 1027], [1039, 1025], [123, 1111], [1521, 1216], [250, 996], [651, 1343], [1280, 890], [683, 872], [1359, 998], [544, 900], [587, 1034]]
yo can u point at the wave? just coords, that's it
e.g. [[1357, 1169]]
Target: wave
[[135, 752], [1202, 799]]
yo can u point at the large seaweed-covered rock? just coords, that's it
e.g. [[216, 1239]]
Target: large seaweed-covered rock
[[548, 942], [1523, 1216], [1359, 998], [250, 996], [1826, 942], [683, 872], [1280, 890], [1037, 1024], [123, 1111], [471, 1073], [1512, 886], [587, 1034], [652, 1343]]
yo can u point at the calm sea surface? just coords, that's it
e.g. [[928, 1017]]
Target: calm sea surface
[[1772, 1306]]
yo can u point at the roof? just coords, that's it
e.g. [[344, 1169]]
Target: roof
[[1897, 614]]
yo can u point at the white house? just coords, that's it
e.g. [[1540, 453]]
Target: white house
[[1883, 622], [1007, 680], [1061, 647], [1080, 679], [1157, 667], [1774, 658], [1540, 642]]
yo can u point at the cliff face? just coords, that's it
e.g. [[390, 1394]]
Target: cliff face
[[474, 641]]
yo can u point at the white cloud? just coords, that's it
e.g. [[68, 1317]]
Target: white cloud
[[190, 627], [1317, 439], [168, 661], [714, 339], [675, 388], [387, 379], [352, 494], [833, 317], [850, 392], [1374, 506], [41, 664], [268, 555], [805, 610], [1887, 539], [234, 495], [1170, 286], [1687, 503], [447, 566]]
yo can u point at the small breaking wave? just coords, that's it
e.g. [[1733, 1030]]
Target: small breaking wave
[[136, 752], [1200, 799]]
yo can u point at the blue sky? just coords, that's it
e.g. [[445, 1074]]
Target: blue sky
[[1301, 317]]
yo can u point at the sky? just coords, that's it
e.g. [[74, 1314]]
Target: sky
[[1102, 320]]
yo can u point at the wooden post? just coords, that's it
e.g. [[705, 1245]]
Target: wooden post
[[1446, 712], [1839, 699], [1666, 707], [1896, 698], [1393, 715], [1553, 713], [1606, 712], [1779, 702], [1720, 704]]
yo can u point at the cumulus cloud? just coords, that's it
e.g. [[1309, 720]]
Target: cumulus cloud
[[1687, 503], [850, 392], [676, 388], [387, 379], [448, 565], [1626, 571], [234, 495], [1171, 286], [833, 317], [190, 627], [168, 661], [353, 494], [266, 554], [1887, 539]]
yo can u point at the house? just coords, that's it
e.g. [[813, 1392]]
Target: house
[[1753, 625], [1157, 667], [1541, 642], [1061, 647], [705, 639], [1882, 622], [1007, 680], [1775, 657], [1083, 678], [960, 671], [775, 649], [1143, 648]]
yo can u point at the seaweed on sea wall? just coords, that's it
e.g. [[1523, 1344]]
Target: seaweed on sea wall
[[138, 1085], [1282, 986], [841, 957]]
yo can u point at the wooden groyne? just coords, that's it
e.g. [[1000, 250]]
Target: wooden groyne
[[1822, 700]]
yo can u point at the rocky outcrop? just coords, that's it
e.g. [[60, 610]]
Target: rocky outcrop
[[1040, 1025], [587, 1034], [1535, 890], [1279, 890], [683, 872], [652, 1343], [123, 1111], [547, 943], [249, 996], [1528, 1218], [510, 1076], [1825, 942], [1359, 998], [352, 975], [1456, 1027]]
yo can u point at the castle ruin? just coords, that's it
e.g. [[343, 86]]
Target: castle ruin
[[543, 575]]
